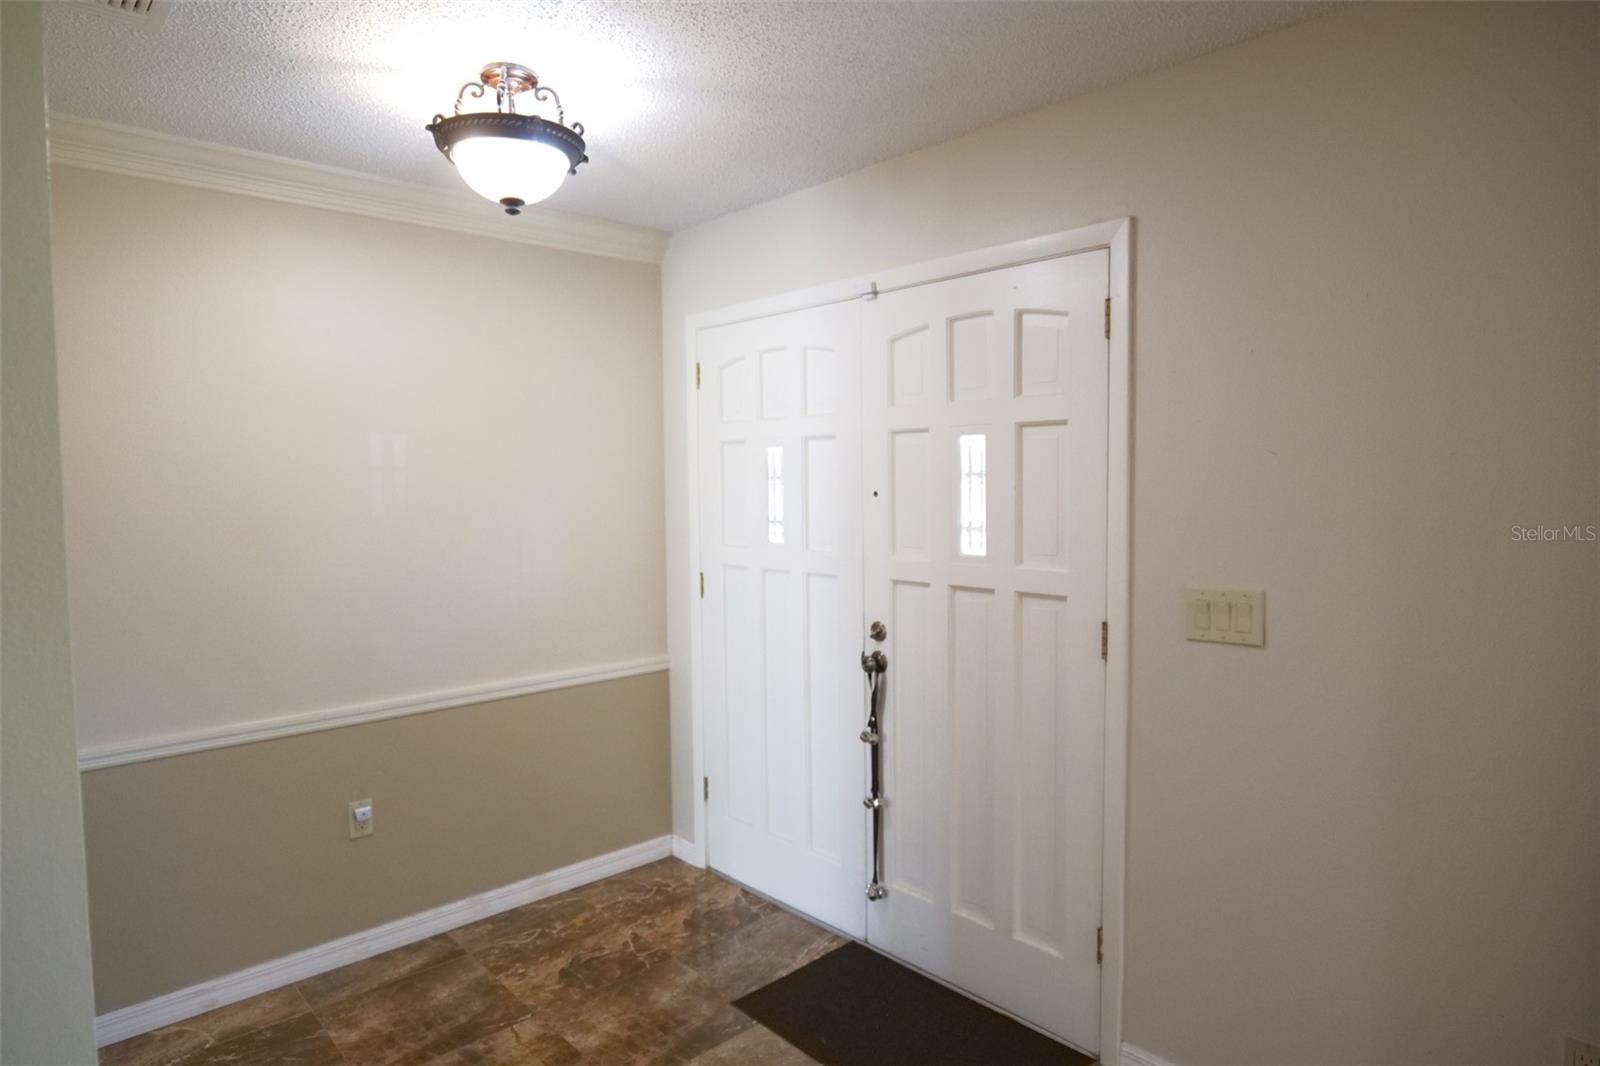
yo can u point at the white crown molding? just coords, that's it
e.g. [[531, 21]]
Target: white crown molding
[[228, 736], [173, 1007], [126, 150], [1132, 1056]]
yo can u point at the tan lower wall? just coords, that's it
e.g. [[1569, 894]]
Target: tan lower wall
[[202, 864]]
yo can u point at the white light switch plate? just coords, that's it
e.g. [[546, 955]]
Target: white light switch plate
[[1226, 615]]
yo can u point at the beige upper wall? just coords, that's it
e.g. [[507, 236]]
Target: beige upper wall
[[316, 460], [46, 1003], [1367, 258]]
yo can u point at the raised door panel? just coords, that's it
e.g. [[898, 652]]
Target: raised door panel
[[779, 437], [985, 548]]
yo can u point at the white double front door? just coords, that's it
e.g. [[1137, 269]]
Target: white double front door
[[933, 460]]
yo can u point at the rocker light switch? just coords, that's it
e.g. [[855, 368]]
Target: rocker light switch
[[1226, 616]]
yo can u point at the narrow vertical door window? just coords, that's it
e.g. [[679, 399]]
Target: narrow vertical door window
[[972, 449], [775, 494]]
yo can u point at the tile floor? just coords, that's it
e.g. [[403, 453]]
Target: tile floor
[[639, 968]]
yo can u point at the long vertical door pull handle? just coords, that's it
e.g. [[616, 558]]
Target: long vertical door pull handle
[[876, 665]]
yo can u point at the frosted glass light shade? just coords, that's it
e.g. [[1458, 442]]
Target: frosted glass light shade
[[509, 168], [512, 159]]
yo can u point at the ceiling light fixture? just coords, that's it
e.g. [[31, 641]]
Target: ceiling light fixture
[[514, 160]]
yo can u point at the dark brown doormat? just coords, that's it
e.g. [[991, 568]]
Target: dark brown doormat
[[854, 1007]]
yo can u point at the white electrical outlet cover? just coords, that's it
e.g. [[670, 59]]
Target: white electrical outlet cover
[[1582, 1053], [360, 818]]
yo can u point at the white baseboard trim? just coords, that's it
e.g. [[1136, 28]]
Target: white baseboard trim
[[252, 981], [1132, 1056], [689, 852], [149, 749]]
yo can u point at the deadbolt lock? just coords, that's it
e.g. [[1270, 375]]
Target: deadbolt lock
[[878, 632]]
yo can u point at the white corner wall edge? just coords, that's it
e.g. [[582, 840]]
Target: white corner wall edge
[[1132, 1056], [151, 748], [126, 150], [219, 992], [688, 851]]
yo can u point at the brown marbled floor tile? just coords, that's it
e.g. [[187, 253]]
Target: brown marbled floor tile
[[694, 914], [638, 889], [609, 955], [163, 1047], [652, 879], [757, 1044], [721, 1023], [174, 1043], [299, 1041], [542, 960], [523, 1044], [759, 953], [653, 890], [542, 966], [328, 988], [662, 872], [665, 1014], [557, 953], [549, 919], [569, 941], [422, 1016], [638, 968]]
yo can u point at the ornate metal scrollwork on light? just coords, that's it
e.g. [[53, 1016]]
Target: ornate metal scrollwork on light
[[510, 158]]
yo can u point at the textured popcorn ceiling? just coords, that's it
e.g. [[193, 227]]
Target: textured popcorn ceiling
[[692, 109]]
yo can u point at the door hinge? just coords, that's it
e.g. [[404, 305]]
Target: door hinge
[[1100, 946], [1108, 320], [697, 365], [1105, 640], [702, 584], [705, 788]]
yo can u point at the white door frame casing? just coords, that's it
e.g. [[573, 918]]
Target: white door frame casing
[[1116, 237]]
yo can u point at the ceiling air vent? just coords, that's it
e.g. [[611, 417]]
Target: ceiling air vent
[[142, 14]]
